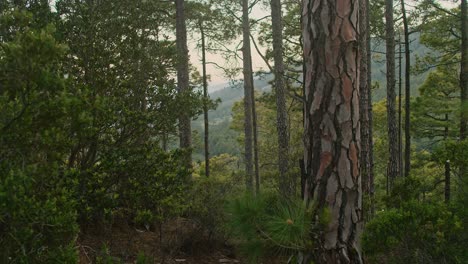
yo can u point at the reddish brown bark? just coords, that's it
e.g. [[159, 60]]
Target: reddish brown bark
[[332, 132]]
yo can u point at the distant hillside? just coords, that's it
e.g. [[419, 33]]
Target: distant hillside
[[379, 67], [223, 139]]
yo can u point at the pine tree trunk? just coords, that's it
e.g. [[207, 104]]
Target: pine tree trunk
[[393, 168], [286, 184], [369, 111], [185, 130], [248, 92], [407, 92], [365, 101], [464, 71], [400, 144], [205, 104], [255, 139], [332, 132]]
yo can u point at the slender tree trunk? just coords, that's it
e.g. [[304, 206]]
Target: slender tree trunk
[[332, 133], [464, 71], [185, 130], [447, 181], [248, 92], [286, 184], [392, 169], [400, 69], [364, 103], [369, 111], [407, 91], [205, 104], [447, 165], [255, 139]]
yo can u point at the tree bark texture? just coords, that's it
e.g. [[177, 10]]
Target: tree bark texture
[[205, 104], [365, 110], [464, 71], [248, 95], [185, 130], [369, 111], [286, 184], [392, 166], [407, 91], [400, 143], [332, 126]]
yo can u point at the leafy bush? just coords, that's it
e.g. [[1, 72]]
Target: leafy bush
[[144, 181], [208, 198], [36, 226], [415, 233]]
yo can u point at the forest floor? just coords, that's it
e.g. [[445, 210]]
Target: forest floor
[[182, 242]]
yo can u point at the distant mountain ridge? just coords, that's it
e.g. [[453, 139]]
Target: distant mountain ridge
[[223, 139]]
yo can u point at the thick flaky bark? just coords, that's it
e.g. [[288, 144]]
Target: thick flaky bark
[[332, 126], [185, 130], [205, 104], [364, 103], [248, 93], [392, 166], [407, 91], [286, 184], [464, 71]]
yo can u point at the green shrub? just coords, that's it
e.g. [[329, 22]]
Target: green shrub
[[36, 226], [415, 233], [268, 221], [208, 197]]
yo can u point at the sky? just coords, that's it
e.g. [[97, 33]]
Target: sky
[[216, 75]]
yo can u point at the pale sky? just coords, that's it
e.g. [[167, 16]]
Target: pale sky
[[216, 74]]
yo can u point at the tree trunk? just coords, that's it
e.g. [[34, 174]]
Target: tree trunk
[[185, 130], [392, 169], [447, 165], [286, 184], [369, 111], [464, 71], [205, 104], [248, 92], [364, 102], [332, 132], [255, 138], [400, 69], [447, 181], [407, 92]]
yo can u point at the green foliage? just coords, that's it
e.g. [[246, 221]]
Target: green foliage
[[435, 112], [415, 233], [404, 189], [37, 209], [268, 145], [207, 203], [146, 179], [441, 33], [38, 224], [267, 222], [142, 259]]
